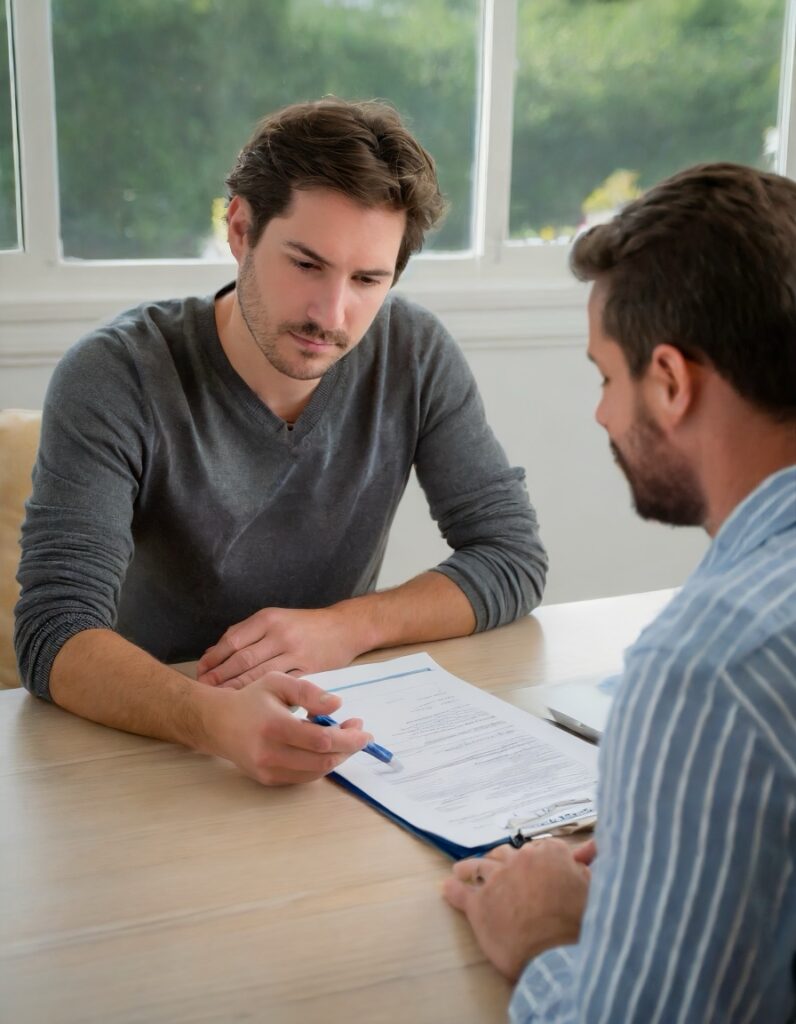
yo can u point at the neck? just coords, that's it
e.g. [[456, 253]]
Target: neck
[[738, 454], [284, 396]]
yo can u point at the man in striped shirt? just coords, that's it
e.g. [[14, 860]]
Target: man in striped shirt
[[685, 910]]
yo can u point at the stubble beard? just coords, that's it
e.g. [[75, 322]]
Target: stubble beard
[[296, 363], [663, 485]]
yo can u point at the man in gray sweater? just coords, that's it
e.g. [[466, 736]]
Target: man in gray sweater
[[217, 476]]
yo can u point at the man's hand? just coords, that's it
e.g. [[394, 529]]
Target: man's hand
[[522, 902], [300, 641], [103, 677], [292, 640], [255, 728]]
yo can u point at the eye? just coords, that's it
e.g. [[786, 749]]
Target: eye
[[364, 279], [305, 265]]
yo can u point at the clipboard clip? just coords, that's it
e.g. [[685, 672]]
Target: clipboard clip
[[553, 820]]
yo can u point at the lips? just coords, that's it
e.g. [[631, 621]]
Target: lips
[[314, 344]]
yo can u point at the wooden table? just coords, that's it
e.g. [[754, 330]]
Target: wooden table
[[141, 882]]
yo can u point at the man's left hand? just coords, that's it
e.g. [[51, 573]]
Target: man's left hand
[[522, 902], [291, 640]]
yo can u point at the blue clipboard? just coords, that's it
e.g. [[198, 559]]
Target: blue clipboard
[[451, 849]]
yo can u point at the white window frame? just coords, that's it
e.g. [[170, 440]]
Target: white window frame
[[514, 293]]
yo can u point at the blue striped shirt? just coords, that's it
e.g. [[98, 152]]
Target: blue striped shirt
[[692, 906]]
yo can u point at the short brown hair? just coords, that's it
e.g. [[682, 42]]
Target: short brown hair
[[705, 261], [362, 150]]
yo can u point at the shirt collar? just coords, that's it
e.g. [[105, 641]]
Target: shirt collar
[[770, 509]]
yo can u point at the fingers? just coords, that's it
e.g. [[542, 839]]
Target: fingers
[[316, 700], [241, 635], [469, 875], [293, 640], [457, 893], [283, 727], [586, 852], [505, 852], [272, 639], [282, 749], [352, 723], [324, 739], [279, 664], [476, 870], [284, 763], [298, 693], [247, 665]]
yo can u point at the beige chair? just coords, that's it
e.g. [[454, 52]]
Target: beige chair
[[19, 441]]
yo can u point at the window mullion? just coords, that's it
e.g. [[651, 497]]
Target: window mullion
[[786, 121], [493, 177], [37, 142]]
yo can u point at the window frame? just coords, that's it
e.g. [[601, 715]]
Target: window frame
[[502, 291]]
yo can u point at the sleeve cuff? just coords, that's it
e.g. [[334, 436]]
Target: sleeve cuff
[[544, 990], [38, 660]]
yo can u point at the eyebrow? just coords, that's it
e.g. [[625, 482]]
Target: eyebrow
[[317, 258]]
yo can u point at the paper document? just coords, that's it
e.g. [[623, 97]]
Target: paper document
[[471, 763]]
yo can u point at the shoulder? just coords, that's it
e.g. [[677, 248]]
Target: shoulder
[[410, 341], [725, 648], [120, 350], [405, 323], [721, 617], [401, 315], [149, 325]]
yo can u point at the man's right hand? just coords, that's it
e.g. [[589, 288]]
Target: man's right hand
[[255, 728]]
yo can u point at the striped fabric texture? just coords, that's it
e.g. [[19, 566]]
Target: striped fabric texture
[[692, 907]]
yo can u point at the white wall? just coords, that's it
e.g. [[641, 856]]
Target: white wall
[[540, 393], [540, 402]]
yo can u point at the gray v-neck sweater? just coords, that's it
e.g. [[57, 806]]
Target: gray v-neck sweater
[[169, 502]]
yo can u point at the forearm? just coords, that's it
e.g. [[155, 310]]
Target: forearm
[[100, 676], [428, 607]]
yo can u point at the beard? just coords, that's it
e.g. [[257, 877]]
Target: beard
[[663, 484], [286, 357]]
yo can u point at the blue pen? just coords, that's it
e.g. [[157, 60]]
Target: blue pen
[[374, 749]]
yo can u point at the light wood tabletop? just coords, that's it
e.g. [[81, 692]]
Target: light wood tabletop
[[141, 882]]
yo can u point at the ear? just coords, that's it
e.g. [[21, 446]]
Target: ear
[[671, 385], [238, 224]]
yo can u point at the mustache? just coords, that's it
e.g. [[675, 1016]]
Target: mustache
[[309, 329]]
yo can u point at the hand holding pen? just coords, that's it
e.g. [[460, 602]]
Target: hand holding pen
[[255, 728], [374, 749]]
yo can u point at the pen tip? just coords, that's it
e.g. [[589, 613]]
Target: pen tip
[[396, 765]]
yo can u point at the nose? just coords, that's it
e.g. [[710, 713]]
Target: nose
[[599, 414], [327, 307]]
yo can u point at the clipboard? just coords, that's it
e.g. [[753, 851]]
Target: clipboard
[[560, 824], [476, 772]]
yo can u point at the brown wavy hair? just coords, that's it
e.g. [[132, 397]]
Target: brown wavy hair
[[362, 150]]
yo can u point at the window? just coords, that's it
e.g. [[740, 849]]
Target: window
[[614, 96], [142, 159], [10, 231], [541, 114]]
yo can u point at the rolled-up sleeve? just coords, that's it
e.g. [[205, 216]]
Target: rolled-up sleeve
[[479, 501], [76, 538]]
